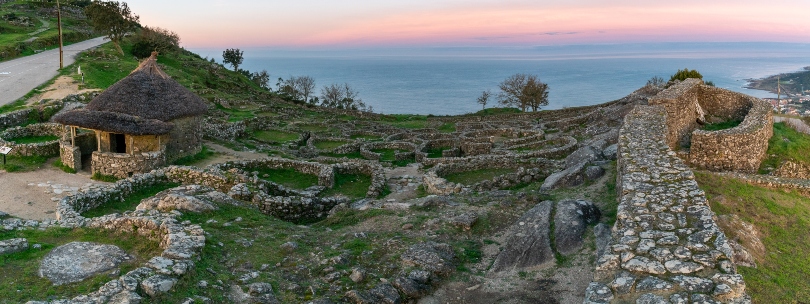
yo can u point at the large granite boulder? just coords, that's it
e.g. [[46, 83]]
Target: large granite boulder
[[76, 261], [192, 198], [585, 154], [528, 244], [431, 256], [570, 221]]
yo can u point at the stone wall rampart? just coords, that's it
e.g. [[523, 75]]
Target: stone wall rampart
[[666, 246]]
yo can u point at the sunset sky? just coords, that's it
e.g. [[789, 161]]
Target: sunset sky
[[383, 23]]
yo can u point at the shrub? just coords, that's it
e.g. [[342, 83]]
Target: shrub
[[684, 74]]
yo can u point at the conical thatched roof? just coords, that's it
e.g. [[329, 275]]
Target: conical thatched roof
[[147, 94]]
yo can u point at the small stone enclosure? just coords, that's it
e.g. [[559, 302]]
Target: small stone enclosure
[[691, 103]]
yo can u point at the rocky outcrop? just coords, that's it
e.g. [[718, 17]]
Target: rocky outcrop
[[76, 261]]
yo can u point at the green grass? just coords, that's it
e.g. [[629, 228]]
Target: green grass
[[34, 139], [406, 121], [58, 163], [130, 202], [329, 144], [447, 128], [722, 125], [104, 178], [312, 128], [783, 218], [19, 272], [204, 154], [288, 177], [14, 106], [353, 186], [786, 144], [16, 163], [352, 155], [274, 136], [475, 176], [235, 115], [351, 217], [389, 155], [497, 111], [436, 152], [468, 252]]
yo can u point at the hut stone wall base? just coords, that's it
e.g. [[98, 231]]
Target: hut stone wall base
[[125, 165]]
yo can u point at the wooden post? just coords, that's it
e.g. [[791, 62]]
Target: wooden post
[[98, 141], [59, 25], [73, 136]]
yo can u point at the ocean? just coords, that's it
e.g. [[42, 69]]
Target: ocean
[[447, 81]]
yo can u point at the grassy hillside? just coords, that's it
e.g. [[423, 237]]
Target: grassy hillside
[[28, 26]]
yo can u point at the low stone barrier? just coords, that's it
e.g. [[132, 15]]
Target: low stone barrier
[[567, 144], [15, 118], [366, 148], [123, 165], [538, 169], [325, 173], [49, 148], [665, 246], [374, 170], [223, 130]]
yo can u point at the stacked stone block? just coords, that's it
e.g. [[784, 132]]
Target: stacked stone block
[[666, 246]]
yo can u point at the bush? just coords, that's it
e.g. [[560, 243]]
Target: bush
[[684, 74], [150, 39]]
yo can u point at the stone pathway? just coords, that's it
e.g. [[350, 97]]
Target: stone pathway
[[403, 182], [666, 246]]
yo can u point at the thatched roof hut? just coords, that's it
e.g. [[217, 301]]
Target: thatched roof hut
[[142, 103]]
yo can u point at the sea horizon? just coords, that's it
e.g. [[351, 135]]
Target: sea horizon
[[447, 80]]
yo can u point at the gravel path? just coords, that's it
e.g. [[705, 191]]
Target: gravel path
[[33, 195]]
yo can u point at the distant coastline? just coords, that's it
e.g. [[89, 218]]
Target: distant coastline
[[791, 82]]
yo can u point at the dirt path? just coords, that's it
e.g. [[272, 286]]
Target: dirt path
[[227, 154], [33, 195], [403, 182], [61, 88]]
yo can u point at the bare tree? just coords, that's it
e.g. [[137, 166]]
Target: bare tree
[[341, 97], [484, 98], [523, 91], [306, 86], [113, 19], [261, 79]]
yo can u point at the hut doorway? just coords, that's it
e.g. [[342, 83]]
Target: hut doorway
[[118, 143]]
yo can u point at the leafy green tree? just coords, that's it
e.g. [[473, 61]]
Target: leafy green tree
[[684, 74], [113, 19], [233, 57], [155, 39], [523, 91]]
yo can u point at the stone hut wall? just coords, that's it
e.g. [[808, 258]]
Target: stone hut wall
[[374, 170], [185, 138], [740, 149], [71, 155], [679, 101], [223, 130], [325, 173], [564, 146], [365, 149], [15, 118], [665, 246], [123, 165], [538, 169], [48, 149]]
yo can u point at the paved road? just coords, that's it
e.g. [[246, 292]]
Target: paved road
[[21, 75]]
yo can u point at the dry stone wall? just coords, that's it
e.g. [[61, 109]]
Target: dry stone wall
[[123, 165], [325, 173], [50, 148], [538, 169], [666, 246], [15, 118], [223, 130], [741, 148]]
